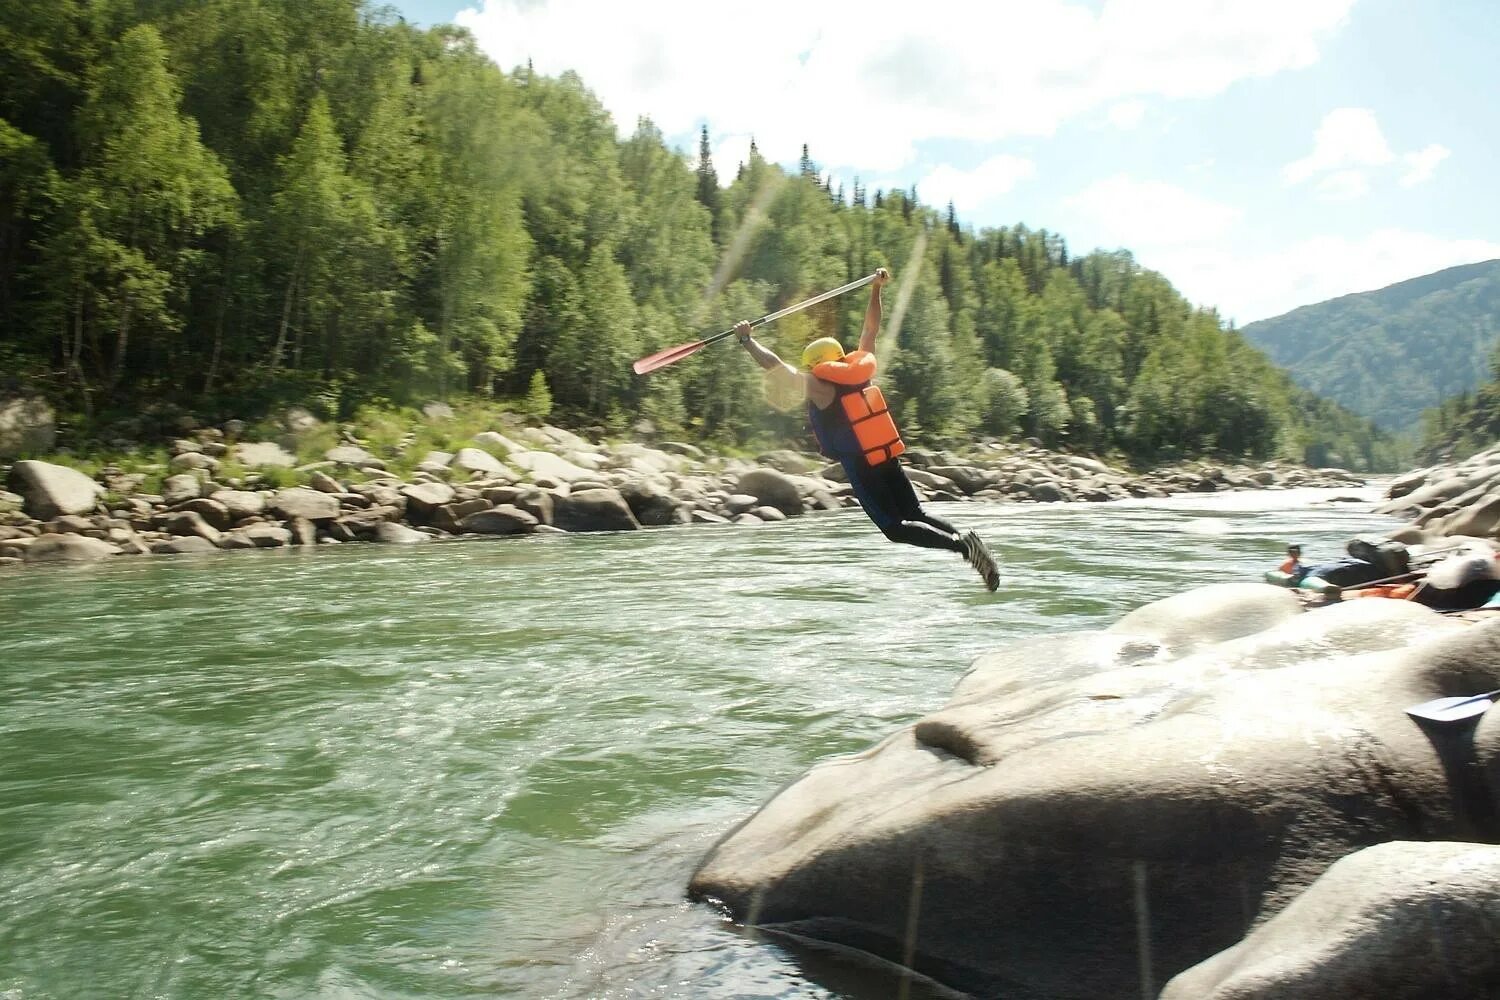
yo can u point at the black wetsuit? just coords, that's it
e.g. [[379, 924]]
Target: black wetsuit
[[883, 490]]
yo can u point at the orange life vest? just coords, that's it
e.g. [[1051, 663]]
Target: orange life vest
[[863, 405]]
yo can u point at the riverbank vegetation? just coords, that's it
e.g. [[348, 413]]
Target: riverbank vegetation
[[217, 209], [1463, 425]]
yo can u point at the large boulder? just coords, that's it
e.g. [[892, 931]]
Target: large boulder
[[380, 494], [968, 478], [479, 460], [554, 438], [183, 545], [424, 499], [265, 536], [772, 488], [240, 503], [51, 490], [395, 533], [502, 520], [788, 461], [650, 501], [540, 504], [362, 523], [213, 511], [353, 456], [1046, 491], [27, 427], [1088, 801], [187, 522], [181, 488], [1477, 519], [645, 460], [545, 465], [299, 501], [448, 516], [593, 510], [1399, 921], [69, 548], [193, 461], [494, 439]]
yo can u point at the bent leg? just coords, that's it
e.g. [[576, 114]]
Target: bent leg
[[922, 534], [939, 523], [906, 503], [889, 500]]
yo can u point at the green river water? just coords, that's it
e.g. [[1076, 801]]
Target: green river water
[[487, 768]]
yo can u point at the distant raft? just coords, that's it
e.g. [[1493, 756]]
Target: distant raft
[[1316, 584]]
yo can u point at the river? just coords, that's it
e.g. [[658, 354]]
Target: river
[[487, 768]]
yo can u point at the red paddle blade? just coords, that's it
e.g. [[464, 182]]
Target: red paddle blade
[[663, 358]]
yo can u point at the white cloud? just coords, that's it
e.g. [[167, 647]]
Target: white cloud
[[1248, 287], [1127, 115], [1348, 137], [1344, 185], [968, 189], [1347, 148], [1421, 164], [863, 90], [1127, 212]]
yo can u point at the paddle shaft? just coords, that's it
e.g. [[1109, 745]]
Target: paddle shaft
[[1398, 578], [673, 354]]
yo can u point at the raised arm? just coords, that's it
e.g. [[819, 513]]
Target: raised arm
[[763, 355], [872, 314]]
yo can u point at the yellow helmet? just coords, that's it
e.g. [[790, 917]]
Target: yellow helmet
[[821, 350]]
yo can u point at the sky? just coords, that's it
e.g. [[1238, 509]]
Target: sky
[[1261, 154]]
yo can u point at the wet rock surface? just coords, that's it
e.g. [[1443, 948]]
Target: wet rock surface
[[1093, 813]]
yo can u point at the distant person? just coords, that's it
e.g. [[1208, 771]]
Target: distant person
[[1294, 567], [852, 424]]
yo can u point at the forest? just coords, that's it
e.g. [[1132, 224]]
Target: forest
[[218, 207], [1465, 424]]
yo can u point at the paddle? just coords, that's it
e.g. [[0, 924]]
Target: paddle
[[674, 354], [1453, 709]]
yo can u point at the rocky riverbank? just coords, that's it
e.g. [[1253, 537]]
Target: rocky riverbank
[[1094, 814], [513, 480], [1459, 498]]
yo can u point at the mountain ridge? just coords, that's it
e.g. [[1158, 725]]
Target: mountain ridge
[[1437, 330]]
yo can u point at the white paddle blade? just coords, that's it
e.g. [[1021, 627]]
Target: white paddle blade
[[1453, 709]]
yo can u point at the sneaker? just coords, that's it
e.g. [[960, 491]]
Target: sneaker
[[971, 550], [979, 556]]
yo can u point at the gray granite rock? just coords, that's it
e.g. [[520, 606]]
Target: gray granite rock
[[48, 490]]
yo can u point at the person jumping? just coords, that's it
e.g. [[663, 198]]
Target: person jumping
[[852, 424]]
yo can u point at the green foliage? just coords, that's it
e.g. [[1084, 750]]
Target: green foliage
[[1005, 402], [273, 478], [1464, 424], [223, 208], [538, 400]]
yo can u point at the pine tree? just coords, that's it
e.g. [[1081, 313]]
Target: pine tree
[[708, 193]]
